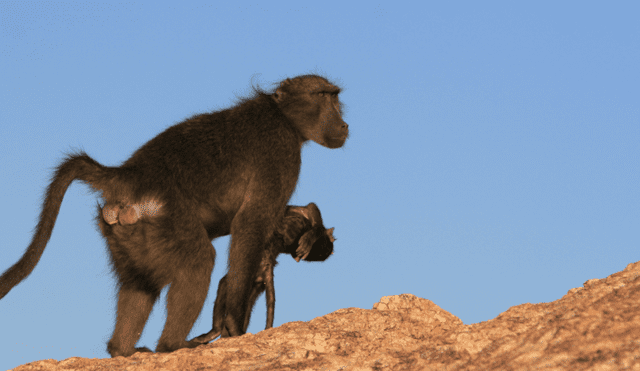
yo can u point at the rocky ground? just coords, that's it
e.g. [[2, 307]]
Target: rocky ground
[[594, 327]]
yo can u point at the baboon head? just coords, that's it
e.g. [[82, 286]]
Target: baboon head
[[312, 104]]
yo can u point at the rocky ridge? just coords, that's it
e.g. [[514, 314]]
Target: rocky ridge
[[594, 327]]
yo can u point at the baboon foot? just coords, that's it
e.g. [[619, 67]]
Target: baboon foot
[[114, 352], [167, 348], [205, 338]]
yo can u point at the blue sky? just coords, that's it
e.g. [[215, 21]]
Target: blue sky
[[493, 157]]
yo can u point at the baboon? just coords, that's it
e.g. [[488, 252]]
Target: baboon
[[226, 172], [302, 235]]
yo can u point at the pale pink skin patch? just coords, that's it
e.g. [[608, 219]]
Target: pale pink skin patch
[[130, 214]]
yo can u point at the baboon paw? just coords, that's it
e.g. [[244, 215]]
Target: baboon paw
[[205, 338], [143, 350], [116, 352], [165, 348]]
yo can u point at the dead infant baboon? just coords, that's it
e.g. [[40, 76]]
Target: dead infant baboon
[[226, 172], [302, 235]]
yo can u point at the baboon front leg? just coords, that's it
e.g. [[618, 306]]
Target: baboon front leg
[[134, 306], [218, 320], [258, 288]]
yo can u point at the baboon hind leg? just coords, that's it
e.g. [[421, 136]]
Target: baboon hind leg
[[134, 306], [185, 299]]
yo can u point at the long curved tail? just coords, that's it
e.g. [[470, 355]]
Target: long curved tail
[[76, 166]]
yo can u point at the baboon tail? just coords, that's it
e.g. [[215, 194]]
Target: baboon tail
[[77, 166]]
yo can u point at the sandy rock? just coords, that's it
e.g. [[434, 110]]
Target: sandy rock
[[595, 327]]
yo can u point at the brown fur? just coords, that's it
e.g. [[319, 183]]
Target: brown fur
[[302, 235], [226, 172]]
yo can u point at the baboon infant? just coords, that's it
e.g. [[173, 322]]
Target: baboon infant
[[303, 236]]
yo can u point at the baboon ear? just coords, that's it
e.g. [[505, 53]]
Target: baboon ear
[[330, 234], [279, 94], [303, 211]]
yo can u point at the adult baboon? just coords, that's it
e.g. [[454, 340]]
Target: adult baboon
[[302, 235], [226, 172]]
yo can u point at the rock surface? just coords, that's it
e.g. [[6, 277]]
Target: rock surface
[[595, 327]]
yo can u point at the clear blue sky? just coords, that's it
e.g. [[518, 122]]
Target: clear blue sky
[[494, 156]]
